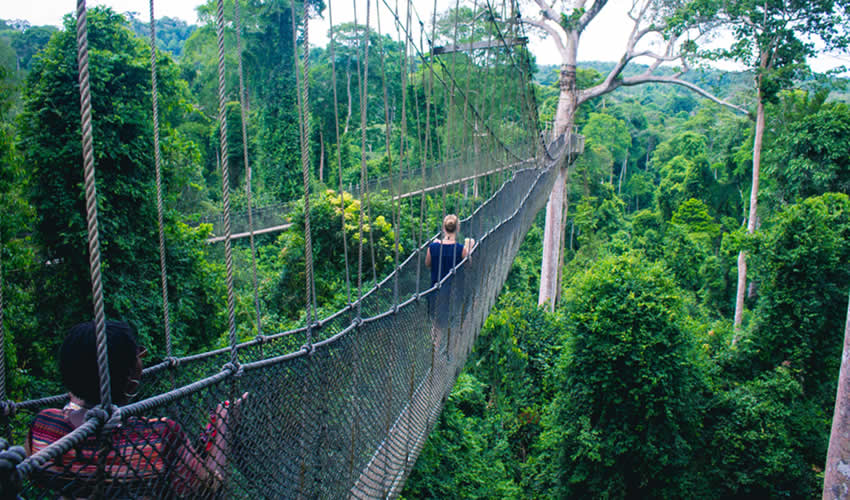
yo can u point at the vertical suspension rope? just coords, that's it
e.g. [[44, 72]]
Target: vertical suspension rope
[[387, 133], [301, 81], [466, 105], [429, 101], [91, 205], [339, 154], [423, 141], [225, 183], [364, 105], [243, 110], [363, 94], [158, 167], [532, 94], [403, 153]]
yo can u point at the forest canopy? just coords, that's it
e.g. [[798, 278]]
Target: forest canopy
[[637, 384]]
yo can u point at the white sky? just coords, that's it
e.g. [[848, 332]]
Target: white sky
[[604, 39]]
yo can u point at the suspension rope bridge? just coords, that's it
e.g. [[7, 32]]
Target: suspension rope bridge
[[341, 406]]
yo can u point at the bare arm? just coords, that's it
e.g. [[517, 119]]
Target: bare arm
[[468, 245], [428, 257]]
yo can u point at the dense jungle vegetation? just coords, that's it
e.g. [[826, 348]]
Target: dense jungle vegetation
[[636, 386]]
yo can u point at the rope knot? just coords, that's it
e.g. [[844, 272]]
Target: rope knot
[[173, 362], [308, 348], [8, 408], [10, 477], [235, 369], [98, 413], [261, 339]]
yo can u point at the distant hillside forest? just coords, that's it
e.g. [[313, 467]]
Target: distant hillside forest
[[636, 386]]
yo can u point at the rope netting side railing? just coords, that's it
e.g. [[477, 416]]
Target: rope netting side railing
[[402, 184], [346, 416]]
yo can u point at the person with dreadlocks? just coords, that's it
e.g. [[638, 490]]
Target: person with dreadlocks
[[140, 456]]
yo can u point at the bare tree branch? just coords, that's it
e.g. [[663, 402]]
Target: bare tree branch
[[556, 36], [590, 14], [676, 80], [547, 11]]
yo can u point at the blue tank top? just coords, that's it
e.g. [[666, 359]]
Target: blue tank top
[[443, 259]]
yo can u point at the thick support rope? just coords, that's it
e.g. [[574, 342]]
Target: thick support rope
[[387, 134], [91, 205], [158, 167], [243, 109], [364, 174], [402, 150], [429, 100], [339, 155], [363, 85], [225, 183], [303, 120], [423, 159]]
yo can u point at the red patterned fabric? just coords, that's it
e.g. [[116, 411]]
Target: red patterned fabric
[[154, 450]]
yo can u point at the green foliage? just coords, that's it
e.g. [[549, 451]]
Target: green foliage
[[286, 298], [768, 39], [802, 266], [50, 142], [758, 437], [171, 33], [26, 41], [622, 422], [458, 461], [811, 157], [483, 444]]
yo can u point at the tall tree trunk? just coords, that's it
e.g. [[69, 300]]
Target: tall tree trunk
[[622, 173], [751, 218], [553, 234], [321, 157], [836, 481], [348, 112], [563, 235]]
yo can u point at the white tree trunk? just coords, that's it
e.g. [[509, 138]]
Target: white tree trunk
[[739, 295], [552, 242], [348, 111], [554, 228], [622, 173], [321, 157], [751, 219], [836, 481]]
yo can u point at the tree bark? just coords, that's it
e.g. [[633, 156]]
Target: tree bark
[[554, 228], [321, 157], [836, 481], [348, 111], [622, 173], [751, 218]]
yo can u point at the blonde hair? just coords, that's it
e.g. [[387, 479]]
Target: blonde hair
[[451, 223]]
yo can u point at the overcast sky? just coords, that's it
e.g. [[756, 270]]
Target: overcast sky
[[603, 41]]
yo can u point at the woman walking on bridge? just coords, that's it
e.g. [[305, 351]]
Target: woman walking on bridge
[[447, 251], [442, 256]]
